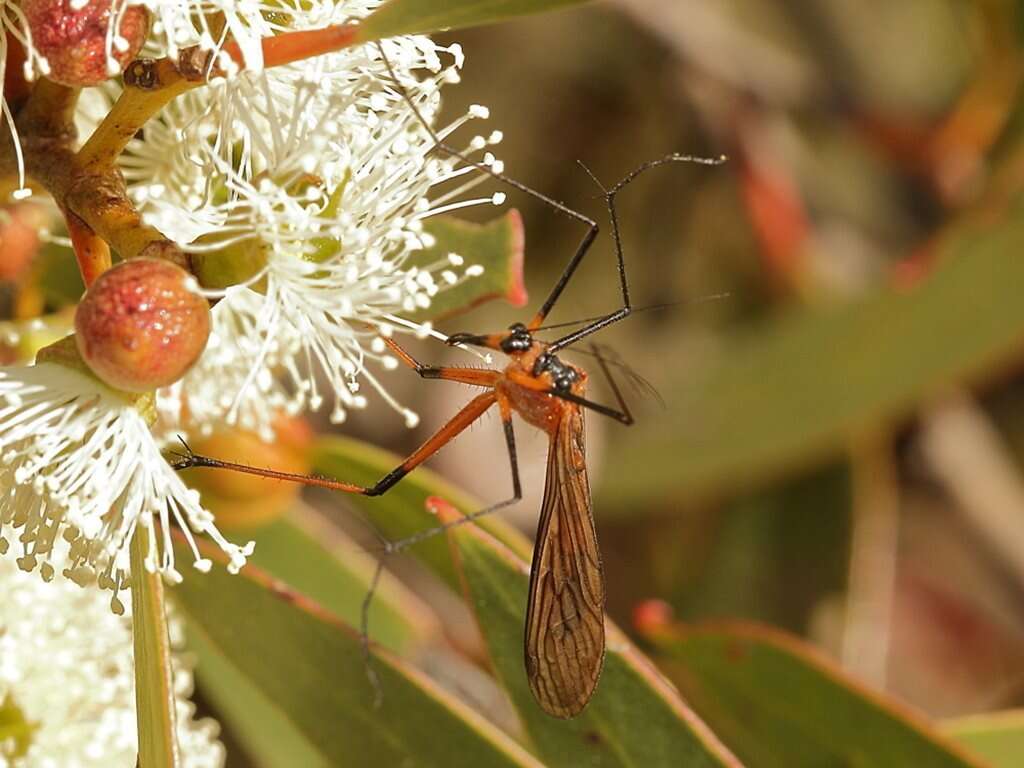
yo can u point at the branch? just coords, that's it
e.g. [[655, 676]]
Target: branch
[[49, 111], [151, 84]]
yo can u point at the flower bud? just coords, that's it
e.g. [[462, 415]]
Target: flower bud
[[652, 615], [141, 325], [229, 265], [19, 237], [244, 501], [75, 38]]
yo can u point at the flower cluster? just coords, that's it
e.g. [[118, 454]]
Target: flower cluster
[[314, 190], [67, 693], [300, 194]]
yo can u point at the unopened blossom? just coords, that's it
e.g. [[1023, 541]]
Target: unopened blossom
[[67, 685], [77, 42], [80, 467], [302, 191], [85, 43]]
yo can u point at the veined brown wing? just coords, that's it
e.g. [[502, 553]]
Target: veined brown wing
[[565, 613]]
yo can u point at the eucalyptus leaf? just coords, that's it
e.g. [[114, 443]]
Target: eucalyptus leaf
[[776, 702], [309, 666], [324, 564], [155, 698], [791, 393], [996, 737], [495, 247], [401, 512], [415, 17]]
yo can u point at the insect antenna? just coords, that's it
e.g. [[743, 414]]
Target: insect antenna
[[637, 310]]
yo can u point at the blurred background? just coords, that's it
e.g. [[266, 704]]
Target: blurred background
[[830, 413], [838, 449]]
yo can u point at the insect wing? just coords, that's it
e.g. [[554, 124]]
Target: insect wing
[[565, 613]]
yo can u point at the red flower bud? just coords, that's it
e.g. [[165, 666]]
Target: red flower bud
[[141, 326], [78, 43]]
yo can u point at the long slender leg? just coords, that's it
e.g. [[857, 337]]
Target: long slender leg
[[517, 490], [469, 413], [390, 548], [475, 376], [592, 228], [609, 196], [623, 415]]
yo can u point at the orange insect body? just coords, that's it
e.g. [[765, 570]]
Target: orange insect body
[[564, 638], [529, 394]]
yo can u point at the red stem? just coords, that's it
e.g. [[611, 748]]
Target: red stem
[[91, 250], [303, 44]]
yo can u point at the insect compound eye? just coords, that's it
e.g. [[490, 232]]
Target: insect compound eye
[[519, 340], [565, 379], [562, 376]]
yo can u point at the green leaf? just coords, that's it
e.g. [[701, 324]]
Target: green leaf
[[997, 737], [497, 246], [793, 392], [401, 511], [253, 719], [634, 718], [415, 17], [322, 563], [775, 702], [154, 678], [309, 666]]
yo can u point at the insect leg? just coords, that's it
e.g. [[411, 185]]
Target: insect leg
[[390, 548], [623, 415], [474, 376], [609, 196], [469, 413], [517, 489], [588, 237]]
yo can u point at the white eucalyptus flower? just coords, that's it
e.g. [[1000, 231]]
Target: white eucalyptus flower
[[66, 677], [78, 464], [14, 26], [321, 175], [209, 23], [225, 386]]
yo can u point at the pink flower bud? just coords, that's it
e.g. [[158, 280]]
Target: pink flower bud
[[141, 325], [78, 42]]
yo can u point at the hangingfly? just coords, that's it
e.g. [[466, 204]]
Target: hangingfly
[[565, 611], [564, 640]]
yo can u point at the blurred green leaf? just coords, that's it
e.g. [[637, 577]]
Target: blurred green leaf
[[791, 393], [401, 511], [414, 17], [497, 246], [309, 666], [774, 554], [59, 278], [635, 718], [255, 720], [997, 737], [776, 702], [325, 565]]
